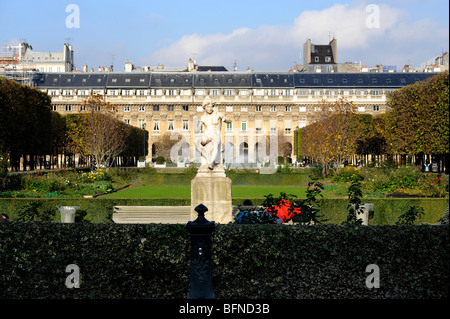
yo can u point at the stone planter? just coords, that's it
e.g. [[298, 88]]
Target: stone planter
[[366, 213], [140, 164], [160, 165], [68, 213]]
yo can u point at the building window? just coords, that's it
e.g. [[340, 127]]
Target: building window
[[141, 108], [244, 126], [273, 108], [287, 126], [229, 108], [302, 108], [185, 125], [170, 108], [68, 108], [302, 123], [170, 125], [126, 109], [230, 127], [228, 92], [53, 107], [155, 125], [258, 108], [244, 108], [185, 108], [141, 124], [127, 92], [376, 108], [327, 59], [361, 108], [127, 121], [316, 59], [375, 92], [287, 108], [171, 92], [214, 92], [361, 92], [155, 108], [273, 125]]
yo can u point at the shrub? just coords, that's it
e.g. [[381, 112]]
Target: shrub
[[410, 216], [346, 174], [160, 160], [433, 185], [248, 261], [274, 210]]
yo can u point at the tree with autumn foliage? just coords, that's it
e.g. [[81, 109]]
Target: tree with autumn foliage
[[418, 118], [331, 138], [97, 132]]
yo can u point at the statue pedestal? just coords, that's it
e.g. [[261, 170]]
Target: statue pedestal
[[212, 188]]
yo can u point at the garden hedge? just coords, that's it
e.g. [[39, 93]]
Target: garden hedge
[[99, 210], [248, 261]]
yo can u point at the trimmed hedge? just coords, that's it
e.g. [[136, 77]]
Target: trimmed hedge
[[243, 178], [100, 210], [249, 261]]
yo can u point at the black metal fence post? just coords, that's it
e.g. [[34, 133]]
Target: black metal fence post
[[200, 231]]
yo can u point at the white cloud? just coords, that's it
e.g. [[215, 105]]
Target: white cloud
[[275, 48]]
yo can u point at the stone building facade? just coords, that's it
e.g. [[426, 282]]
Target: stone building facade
[[259, 103]]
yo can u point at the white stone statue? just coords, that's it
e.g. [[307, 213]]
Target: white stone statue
[[209, 141]]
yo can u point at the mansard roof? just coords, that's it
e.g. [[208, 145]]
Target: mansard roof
[[227, 79]]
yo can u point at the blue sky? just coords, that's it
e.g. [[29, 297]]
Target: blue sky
[[263, 35]]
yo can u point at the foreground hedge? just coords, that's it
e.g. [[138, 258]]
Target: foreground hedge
[[100, 210], [152, 261]]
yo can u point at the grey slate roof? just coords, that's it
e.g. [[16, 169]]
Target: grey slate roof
[[227, 79]]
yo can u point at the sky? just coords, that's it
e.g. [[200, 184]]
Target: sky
[[263, 35]]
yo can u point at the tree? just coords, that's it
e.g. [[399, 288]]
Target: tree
[[24, 123], [332, 136], [418, 119], [97, 132]]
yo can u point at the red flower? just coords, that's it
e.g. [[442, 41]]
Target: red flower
[[284, 210]]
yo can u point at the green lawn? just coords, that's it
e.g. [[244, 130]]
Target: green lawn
[[178, 191]]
